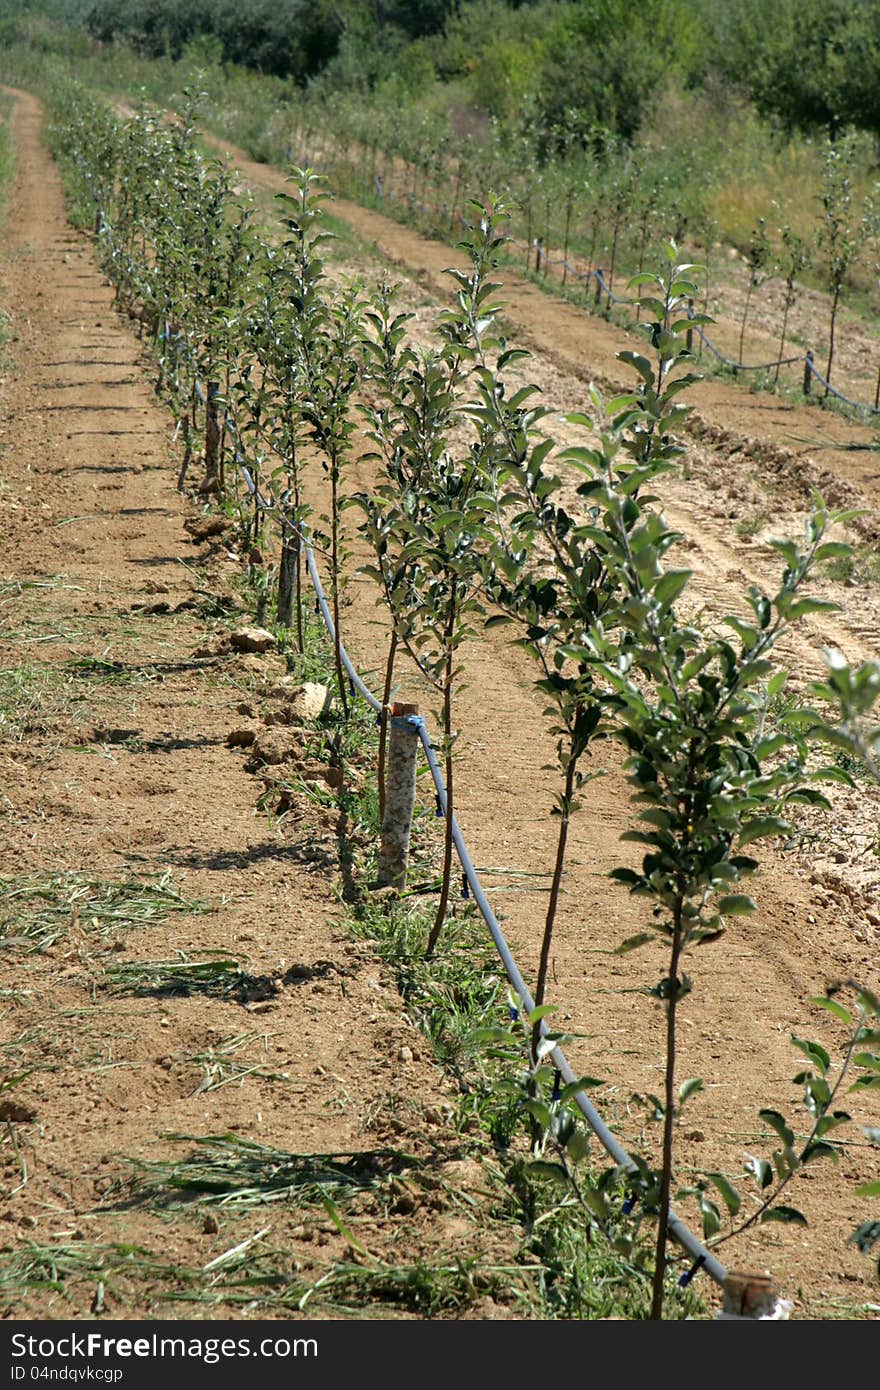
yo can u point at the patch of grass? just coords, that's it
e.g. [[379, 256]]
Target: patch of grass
[[63, 1042], [32, 700], [41, 909], [226, 1063], [218, 976], [233, 1172], [861, 567], [751, 524]]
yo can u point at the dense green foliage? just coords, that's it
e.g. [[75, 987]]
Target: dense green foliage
[[810, 64]]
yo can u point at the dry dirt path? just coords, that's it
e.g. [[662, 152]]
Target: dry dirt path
[[114, 762], [752, 988]]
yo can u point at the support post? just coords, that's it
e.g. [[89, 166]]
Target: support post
[[752, 1296], [808, 372], [538, 254], [213, 471], [400, 795], [599, 277]]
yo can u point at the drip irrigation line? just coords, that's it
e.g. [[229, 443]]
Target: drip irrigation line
[[857, 405], [677, 1228], [747, 366], [472, 886], [679, 1231]]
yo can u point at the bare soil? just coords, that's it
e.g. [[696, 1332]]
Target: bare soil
[[133, 774]]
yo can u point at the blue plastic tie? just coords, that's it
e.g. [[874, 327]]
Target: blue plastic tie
[[557, 1089], [629, 1205], [439, 805], [691, 1273], [465, 886], [514, 1014]]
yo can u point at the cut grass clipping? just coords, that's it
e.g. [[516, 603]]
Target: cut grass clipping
[[40, 910], [232, 1171]]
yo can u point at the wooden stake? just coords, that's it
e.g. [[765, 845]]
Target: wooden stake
[[751, 1296], [400, 795], [213, 475]]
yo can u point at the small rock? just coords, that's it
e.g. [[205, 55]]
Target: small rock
[[202, 528], [275, 745], [210, 1225], [27, 1221], [240, 738], [246, 710], [252, 639], [405, 1054], [305, 701]]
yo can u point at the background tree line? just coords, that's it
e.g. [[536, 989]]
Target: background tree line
[[806, 64]]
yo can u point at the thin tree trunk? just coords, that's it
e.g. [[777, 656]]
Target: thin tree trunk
[[669, 1116], [785, 314], [742, 328], [334, 570], [544, 962], [834, 306]]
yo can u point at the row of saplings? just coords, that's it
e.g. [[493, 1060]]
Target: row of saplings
[[469, 524]]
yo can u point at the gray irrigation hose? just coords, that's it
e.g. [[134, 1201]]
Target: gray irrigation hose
[[677, 1228], [856, 405]]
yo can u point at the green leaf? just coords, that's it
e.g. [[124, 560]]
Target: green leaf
[[818, 1149], [670, 585], [554, 1172], [689, 1088], [832, 1007], [868, 1189], [759, 827], [543, 1011], [802, 606], [632, 943], [814, 1051], [583, 1083], [866, 1236], [789, 1216], [762, 1170], [736, 905], [729, 1194], [711, 1217], [777, 1122], [540, 1112]]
